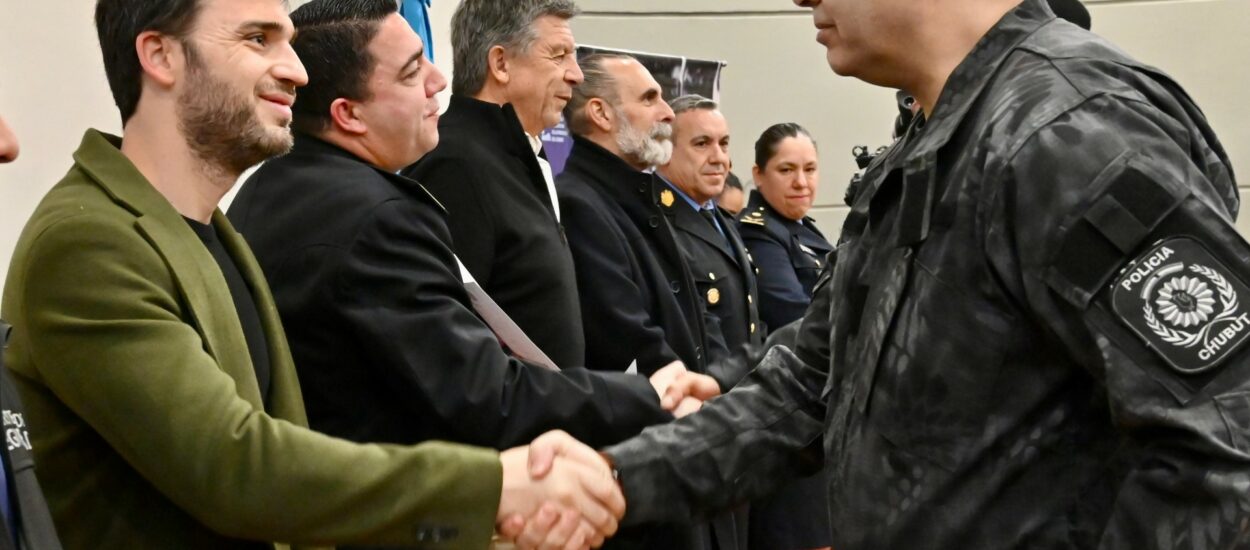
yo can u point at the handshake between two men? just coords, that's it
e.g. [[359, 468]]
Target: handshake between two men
[[559, 493]]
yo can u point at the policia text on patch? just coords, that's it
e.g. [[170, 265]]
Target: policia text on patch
[[1184, 304]]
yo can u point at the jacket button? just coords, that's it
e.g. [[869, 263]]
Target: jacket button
[[653, 221], [675, 286], [698, 352]]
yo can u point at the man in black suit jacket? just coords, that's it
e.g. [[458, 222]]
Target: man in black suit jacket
[[694, 177], [515, 68], [639, 299], [382, 329]]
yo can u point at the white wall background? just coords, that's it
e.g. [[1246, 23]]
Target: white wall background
[[52, 84]]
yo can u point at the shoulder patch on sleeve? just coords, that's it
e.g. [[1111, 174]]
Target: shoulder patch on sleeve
[[1184, 303]]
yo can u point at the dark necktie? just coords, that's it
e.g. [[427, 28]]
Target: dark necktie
[[708, 215]]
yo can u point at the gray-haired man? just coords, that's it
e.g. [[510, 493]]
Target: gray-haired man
[[514, 70]]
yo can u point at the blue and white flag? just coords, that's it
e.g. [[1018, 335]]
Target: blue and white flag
[[417, 13]]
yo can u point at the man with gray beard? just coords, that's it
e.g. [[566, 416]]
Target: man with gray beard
[[640, 307]]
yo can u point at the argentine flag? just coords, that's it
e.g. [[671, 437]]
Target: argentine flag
[[417, 13]]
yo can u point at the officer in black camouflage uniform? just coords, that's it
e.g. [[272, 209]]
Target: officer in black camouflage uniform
[[1035, 332]]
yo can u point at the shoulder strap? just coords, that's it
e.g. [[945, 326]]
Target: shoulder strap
[[35, 522]]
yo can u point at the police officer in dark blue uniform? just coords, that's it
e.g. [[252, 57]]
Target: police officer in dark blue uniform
[[787, 248], [707, 235], [788, 252]]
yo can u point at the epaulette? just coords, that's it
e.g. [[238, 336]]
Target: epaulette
[[755, 218]]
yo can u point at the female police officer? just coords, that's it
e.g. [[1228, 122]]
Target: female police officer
[[786, 246]]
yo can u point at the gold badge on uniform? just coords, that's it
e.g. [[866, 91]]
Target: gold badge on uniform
[[666, 198], [713, 296]]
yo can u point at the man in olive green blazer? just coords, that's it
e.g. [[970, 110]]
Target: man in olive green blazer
[[128, 349], [149, 425]]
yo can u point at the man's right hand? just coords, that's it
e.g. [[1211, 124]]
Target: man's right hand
[[558, 493], [679, 389]]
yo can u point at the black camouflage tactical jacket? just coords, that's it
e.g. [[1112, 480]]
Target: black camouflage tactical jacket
[[1036, 326]]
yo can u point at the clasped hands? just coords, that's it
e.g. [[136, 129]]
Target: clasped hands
[[681, 391], [559, 494]]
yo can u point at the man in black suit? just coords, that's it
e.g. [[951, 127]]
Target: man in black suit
[[382, 329], [515, 68], [693, 178], [26, 522], [639, 301]]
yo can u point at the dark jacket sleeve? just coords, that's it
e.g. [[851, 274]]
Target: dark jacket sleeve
[[741, 445], [618, 327], [782, 298], [471, 214], [400, 288], [1068, 233]]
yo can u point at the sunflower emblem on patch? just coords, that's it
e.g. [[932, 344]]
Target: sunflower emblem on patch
[[1186, 302]]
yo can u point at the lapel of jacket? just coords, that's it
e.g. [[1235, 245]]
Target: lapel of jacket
[[735, 240], [196, 272], [499, 123], [692, 222], [285, 399]]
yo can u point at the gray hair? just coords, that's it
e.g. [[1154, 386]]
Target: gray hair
[[479, 25], [598, 83], [691, 102]]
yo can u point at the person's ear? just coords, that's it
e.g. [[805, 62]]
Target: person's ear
[[600, 114], [497, 65], [345, 116], [162, 58]]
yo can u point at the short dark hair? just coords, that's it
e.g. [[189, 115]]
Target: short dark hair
[[119, 22], [332, 40], [766, 145], [479, 25], [732, 181]]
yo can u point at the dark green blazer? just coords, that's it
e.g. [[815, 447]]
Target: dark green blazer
[[148, 424]]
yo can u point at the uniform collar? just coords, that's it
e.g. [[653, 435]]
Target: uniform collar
[[914, 157], [969, 79], [757, 203]]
